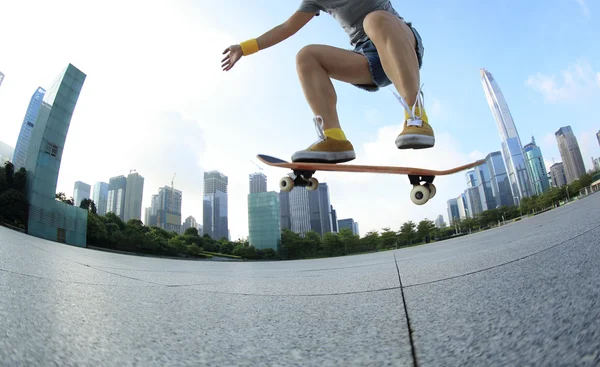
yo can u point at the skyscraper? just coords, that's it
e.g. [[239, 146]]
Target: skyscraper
[[284, 207], [570, 153], [557, 174], [319, 206], [497, 189], [439, 221], [474, 202], [20, 153], [68, 223], [453, 214], [117, 187], [190, 222], [167, 206], [264, 224], [258, 183], [535, 161], [512, 150], [334, 221], [299, 210], [134, 191], [461, 201], [6, 152], [100, 197], [348, 223], [215, 214], [1, 78], [598, 136], [81, 191]]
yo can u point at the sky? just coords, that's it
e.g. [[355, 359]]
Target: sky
[[156, 100]]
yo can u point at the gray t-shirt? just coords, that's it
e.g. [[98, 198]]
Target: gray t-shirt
[[349, 13]]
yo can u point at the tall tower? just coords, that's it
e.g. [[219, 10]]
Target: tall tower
[[512, 150], [134, 191], [81, 191], [49, 218], [1, 77], [535, 161], [100, 197], [117, 187], [215, 221], [258, 183], [570, 153], [557, 174], [20, 154]]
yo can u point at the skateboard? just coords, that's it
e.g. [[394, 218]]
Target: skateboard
[[420, 178]]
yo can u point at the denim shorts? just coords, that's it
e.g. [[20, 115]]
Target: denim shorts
[[380, 79]]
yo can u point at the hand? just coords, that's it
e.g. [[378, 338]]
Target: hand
[[234, 53]]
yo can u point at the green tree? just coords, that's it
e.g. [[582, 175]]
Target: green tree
[[350, 241], [332, 245], [408, 232], [370, 242], [192, 231], [89, 205], [389, 238], [311, 245], [425, 229]]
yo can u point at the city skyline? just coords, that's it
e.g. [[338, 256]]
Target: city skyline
[[184, 126]]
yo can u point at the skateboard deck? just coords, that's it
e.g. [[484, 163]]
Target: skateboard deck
[[420, 178]]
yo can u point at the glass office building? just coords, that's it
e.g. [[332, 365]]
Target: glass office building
[[48, 218], [20, 153], [264, 226], [535, 161], [514, 158]]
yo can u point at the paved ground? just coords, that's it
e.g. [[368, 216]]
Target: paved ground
[[524, 294]]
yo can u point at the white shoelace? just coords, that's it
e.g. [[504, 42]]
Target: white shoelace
[[318, 120], [420, 101]]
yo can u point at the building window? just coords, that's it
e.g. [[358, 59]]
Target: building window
[[51, 149]]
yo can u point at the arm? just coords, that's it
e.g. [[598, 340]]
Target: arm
[[284, 30], [270, 38]]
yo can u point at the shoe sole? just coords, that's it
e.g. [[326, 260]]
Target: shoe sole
[[415, 141], [320, 157]]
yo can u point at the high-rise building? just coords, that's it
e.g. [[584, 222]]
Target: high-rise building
[[134, 192], [595, 164], [439, 221], [299, 210], [190, 222], [100, 197], [117, 187], [570, 153], [150, 218], [463, 209], [20, 153], [167, 206], [497, 190], [319, 205], [284, 208], [6, 152], [334, 221], [81, 191], [453, 214], [258, 183], [49, 218], [537, 167], [473, 194], [264, 220], [1, 78], [557, 175], [598, 136], [514, 158], [348, 223], [215, 216]]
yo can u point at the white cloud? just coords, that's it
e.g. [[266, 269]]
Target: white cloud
[[584, 8], [578, 82]]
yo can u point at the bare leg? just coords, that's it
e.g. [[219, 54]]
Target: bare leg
[[316, 64], [395, 44]]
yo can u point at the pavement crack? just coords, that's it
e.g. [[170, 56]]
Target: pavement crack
[[410, 330]]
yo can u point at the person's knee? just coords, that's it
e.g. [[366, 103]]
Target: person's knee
[[376, 22], [306, 57]]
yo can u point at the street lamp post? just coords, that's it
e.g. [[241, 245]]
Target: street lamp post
[[567, 190]]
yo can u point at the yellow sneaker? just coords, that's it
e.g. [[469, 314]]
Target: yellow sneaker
[[326, 149], [417, 133]]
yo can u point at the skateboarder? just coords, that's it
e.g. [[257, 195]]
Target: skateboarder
[[387, 50]]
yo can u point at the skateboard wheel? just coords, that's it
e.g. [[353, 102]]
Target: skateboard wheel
[[286, 184], [432, 190], [313, 184], [419, 194]]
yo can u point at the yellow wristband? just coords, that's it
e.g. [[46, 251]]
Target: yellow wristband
[[249, 47]]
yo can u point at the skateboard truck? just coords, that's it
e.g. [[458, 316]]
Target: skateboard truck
[[300, 178], [421, 193]]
